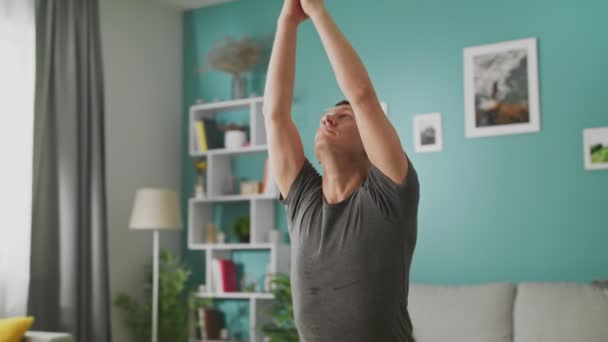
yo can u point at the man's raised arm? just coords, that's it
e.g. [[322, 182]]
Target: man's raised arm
[[379, 137], [285, 150]]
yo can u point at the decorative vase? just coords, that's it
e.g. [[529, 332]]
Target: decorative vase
[[199, 187], [239, 86], [234, 138]]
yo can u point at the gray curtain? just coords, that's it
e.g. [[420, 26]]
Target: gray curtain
[[69, 285]]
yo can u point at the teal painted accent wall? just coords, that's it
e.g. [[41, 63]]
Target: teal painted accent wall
[[514, 208]]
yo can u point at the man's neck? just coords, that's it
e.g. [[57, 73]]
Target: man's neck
[[342, 178]]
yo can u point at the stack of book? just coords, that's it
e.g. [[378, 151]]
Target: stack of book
[[206, 135], [224, 275]]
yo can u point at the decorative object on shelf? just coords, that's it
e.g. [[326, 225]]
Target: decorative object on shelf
[[156, 210], [282, 327], [274, 236], [221, 237], [235, 139], [249, 283], [175, 295], [210, 233], [199, 186], [501, 88], [428, 132], [241, 228], [595, 142], [224, 334], [235, 57], [250, 187]]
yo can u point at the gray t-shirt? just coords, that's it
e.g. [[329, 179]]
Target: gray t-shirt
[[350, 260]]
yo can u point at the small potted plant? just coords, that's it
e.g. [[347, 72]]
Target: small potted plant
[[241, 228]]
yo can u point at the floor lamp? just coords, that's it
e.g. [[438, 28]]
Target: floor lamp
[[156, 210]]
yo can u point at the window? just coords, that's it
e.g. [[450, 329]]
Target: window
[[17, 82]]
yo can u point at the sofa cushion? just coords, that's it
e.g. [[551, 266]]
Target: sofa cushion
[[13, 329], [560, 312], [41, 336], [462, 313]]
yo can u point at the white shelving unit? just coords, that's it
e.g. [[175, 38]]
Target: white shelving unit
[[261, 207]]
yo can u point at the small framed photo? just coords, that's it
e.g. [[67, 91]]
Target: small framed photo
[[428, 132], [501, 88], [595, 142]]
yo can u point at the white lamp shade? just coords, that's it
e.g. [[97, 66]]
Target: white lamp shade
[[155, 209]]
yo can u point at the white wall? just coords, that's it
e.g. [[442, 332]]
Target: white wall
[[142, 50]]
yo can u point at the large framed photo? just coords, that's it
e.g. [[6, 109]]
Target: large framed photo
[[595, 142], [501, 88], [428, 132]]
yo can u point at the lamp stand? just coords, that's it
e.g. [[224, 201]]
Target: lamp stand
[[155, 290]]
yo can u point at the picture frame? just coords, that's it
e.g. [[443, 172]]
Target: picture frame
[[501, 93], [428, 133], [595, 148]]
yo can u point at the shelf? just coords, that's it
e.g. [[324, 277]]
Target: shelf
[[234, 198], [235, 295], [226, 105], [232, 246], [224, 151]]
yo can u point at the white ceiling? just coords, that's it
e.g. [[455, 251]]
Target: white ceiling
[[192, 4]]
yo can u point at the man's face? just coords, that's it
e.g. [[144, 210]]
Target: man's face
[[338, 132]]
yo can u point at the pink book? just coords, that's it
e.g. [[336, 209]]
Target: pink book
[[225, 271]]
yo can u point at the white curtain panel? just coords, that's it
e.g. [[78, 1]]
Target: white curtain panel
[[17, 83]]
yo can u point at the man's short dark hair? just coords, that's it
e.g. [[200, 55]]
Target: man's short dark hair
[[343, 102]]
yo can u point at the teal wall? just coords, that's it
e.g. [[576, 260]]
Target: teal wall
[[517, 207]]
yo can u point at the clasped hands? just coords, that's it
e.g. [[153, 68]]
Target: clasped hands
[[297, 11]]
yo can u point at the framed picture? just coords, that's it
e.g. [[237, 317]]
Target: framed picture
[[428, 132], [595, 148], [501, 88]]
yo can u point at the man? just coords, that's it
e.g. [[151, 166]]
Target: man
[[353, 230]]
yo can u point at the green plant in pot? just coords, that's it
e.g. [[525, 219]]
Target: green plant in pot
[[282, 328], [175, 301], [241, 228]]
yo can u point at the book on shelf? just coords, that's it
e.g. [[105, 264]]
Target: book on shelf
[[200, 331], [207, 135], [224, 275], [209, 323], [201, 136]]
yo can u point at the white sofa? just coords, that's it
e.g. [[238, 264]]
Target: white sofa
[[39, 336], [504, 312]]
